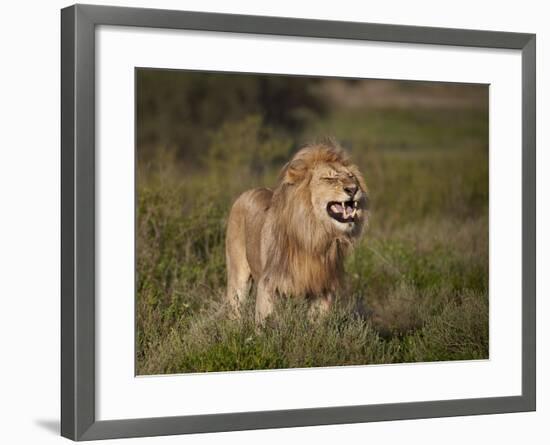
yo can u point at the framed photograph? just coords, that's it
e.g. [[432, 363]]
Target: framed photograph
[[272, 222]]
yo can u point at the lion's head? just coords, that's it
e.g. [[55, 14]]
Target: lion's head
[[323, 193]]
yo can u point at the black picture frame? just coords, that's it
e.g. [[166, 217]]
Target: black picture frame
[[78, 23]]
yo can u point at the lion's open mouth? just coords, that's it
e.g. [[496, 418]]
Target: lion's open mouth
[[345, 211]]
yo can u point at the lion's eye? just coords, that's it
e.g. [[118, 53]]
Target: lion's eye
[[328, 178]]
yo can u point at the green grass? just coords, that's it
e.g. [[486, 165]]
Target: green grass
[[417, 286]]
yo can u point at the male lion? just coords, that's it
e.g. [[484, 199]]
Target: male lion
[[292, 240]]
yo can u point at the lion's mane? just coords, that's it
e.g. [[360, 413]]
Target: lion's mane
[[303, 257]]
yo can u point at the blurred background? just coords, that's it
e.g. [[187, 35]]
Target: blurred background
[[421, 270]]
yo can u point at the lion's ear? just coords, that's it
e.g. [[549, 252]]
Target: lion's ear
[[294, 171]]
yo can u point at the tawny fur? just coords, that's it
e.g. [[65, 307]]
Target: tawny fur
[[284, 239]]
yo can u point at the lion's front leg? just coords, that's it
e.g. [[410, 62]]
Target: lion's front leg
[[321, 305], [264, 301]]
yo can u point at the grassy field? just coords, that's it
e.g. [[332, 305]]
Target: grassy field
[[417, 286]]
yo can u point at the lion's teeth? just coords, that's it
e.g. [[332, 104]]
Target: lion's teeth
[[355, 204]]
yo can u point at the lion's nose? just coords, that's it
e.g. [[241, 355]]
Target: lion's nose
[[351, 190]]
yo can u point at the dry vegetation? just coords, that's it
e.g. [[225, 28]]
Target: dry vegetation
[[417, 286]]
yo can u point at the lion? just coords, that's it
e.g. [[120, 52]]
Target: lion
[[292, 240]]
